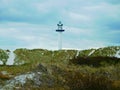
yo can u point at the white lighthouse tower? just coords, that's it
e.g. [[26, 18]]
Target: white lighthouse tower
[[60, 30]]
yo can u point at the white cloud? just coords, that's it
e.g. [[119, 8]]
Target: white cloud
[[32, 23], [29, 35], [79, 17], [79, 31], [103, 8]]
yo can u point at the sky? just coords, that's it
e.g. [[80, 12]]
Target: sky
[[32, 23]]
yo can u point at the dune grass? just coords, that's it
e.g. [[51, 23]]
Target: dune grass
[[67, 75]]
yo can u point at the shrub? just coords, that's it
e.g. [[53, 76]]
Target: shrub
[[95, 61], [3, 56], [81, 81]]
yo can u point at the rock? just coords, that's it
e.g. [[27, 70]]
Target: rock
[[37, 78], [40, 68]]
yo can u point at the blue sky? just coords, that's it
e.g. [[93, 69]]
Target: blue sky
[[32, 23]]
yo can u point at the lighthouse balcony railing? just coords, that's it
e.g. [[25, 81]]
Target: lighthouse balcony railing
[[60, 30]]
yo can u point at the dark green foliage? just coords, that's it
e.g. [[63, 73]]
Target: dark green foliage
[[95, 61], [3, 56]]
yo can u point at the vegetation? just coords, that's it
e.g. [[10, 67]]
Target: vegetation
[[70, 69], [95, 61], [4, 56]]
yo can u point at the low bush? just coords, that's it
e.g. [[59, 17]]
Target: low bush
[[95, 61], [81, 81]]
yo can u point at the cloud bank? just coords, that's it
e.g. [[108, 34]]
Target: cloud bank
[[32, 23]]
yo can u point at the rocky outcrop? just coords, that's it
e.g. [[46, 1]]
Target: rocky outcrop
[[36, 78]]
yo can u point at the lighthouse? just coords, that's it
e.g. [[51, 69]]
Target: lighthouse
[[60, 30]]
